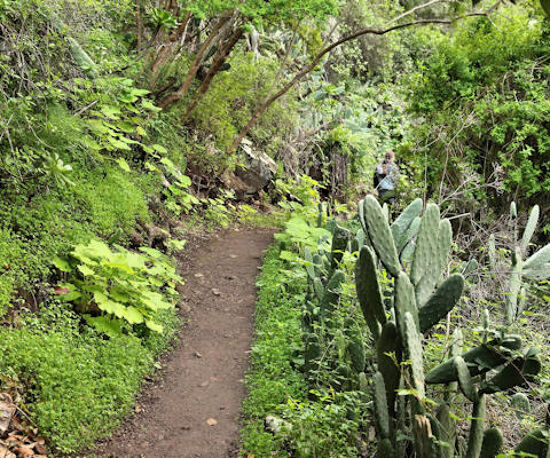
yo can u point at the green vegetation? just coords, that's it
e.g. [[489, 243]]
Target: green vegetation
[[127, 125], [361, 306], [79, 385], [125, 287]]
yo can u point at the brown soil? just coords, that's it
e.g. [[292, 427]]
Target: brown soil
[[203, 377]]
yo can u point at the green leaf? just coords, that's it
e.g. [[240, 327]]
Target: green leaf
[[161, 150], [118, 144], [111, 327], [123, 164], [154, 326], [139, 92], [110, 111], [141, 131], [85, 270], [148, 105], [61, 264], [288, 256], [113, 308], [132, 315]]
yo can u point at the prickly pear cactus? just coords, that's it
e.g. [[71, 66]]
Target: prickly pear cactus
[[380, 235], [441, 302], [492, 443], [400, 227], [414, 251], [368, 291]]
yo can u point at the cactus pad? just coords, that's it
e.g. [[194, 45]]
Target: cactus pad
[[530, 228], [340, 241], [447, 430], [426, 260], [464, 379], [332, 292], [475, 440], [516, 373], [389, 342], [492, 443], [399, 228], [368, 291], [479, 360], [441, 302], [381, 406], [413, 346], [380, 235], [535, 443], [404, 302]]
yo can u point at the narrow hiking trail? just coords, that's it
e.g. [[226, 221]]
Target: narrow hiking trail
[[194, 411]]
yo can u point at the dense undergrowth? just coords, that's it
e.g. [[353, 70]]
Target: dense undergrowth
[[324, 355], [282, 414], [88, 155]]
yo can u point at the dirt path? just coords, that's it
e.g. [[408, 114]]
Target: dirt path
[[203, 380]]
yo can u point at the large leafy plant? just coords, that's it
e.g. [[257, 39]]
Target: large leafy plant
[[117, 288]]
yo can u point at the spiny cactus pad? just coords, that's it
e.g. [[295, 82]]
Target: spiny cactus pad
[[537, 267], [464, 379], [318, 288], [400, 226], [340, 241], [413, 346], [516, 373], [479, 360], [332, 292], [441, 302], [412, 233], [475, 440], [380, 235], [404, 302], [444, 241], [447, 430], [381, 406], [521, 405], [426, 259], [511, 308], [389, 343], [368, 290], [535, 443], [427, 283], [492, 443], [530, 228]]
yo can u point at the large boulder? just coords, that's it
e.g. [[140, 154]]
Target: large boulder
[[259, 169]]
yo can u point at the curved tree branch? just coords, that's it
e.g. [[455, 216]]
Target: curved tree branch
[[353, 36]]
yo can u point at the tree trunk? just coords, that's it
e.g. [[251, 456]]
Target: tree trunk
[[219, 59], [139, 25], [162, 56], [197, 61]]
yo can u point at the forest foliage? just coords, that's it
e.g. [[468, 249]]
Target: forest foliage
[[125, 124]]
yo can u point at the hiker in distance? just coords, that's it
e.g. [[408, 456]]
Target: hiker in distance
[[386, 176]]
